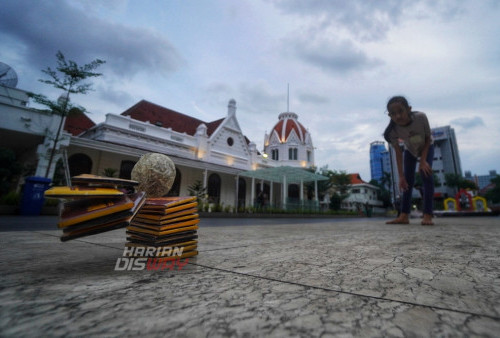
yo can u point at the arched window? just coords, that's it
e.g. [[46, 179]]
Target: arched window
[[176, 187], [126, 169], [79, 164], [214, 188]]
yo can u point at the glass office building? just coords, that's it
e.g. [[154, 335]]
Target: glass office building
[[379, 160]]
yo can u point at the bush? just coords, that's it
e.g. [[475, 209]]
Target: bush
[[11, 198]]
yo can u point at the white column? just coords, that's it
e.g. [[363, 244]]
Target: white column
[[252, 195], [284, 192], [301, 192], [205, 178], [316, 193], [271, 194], [237, 193]]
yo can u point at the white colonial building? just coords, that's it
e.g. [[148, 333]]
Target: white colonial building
[[215, 153], [361, 195]]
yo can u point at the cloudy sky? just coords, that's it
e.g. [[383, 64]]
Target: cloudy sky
[[342, 59]]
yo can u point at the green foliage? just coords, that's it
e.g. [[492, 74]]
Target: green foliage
[[341, 183], [335, 202], [11, 198], [218, 207], [109, 172], [59, 179], [197, 189], [458, 182], [386, 181], [493, 195], [323, 186], [68, 77]]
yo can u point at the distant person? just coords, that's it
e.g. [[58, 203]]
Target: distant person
[[413, 129]]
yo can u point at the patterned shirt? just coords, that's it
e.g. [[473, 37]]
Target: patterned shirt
[[413, 135]]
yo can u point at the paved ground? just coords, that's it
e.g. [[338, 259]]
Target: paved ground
[[259, 277]]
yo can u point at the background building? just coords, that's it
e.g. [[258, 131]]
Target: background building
[[446, 161], [481, 181], [380, 161], [361, 195], [214, 153]]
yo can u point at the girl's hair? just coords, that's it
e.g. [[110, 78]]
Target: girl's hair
[[394, 99]]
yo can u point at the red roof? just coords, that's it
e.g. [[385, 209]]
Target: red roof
[[77, 123], [356, 179], [285, 126], [146, 111]]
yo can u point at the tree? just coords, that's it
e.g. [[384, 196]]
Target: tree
[[382, 193], [458, 182], [197, 190], [323, 186], [493, 195], [341, 182], [386, 181], [68, 77]]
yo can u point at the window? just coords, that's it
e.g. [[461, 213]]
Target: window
[[275, 155], [230, 141], [355, 191], [126, 169], [176, 186], [79, 164], [292, 153], [308, 156]]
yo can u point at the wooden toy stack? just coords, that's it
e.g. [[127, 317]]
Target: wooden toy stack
[[96, 204], [166, 222]]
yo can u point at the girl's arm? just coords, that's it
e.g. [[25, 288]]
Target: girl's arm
[[425, 168], [403, 185]]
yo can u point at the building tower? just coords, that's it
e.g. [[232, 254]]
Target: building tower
[[379, 160], [289, 142], [446, 161]]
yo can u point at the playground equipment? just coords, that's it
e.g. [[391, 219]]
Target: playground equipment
[[464, 201]]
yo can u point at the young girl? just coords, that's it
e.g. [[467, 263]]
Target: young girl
[[413, 129]]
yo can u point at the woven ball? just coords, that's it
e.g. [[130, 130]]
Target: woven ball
[[155, 174]]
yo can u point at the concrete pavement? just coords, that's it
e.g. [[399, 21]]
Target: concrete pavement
[[259, 277]]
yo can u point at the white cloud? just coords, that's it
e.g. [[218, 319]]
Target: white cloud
[[342, 59]]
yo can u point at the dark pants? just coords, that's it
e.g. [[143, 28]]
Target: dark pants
[[409, 166]]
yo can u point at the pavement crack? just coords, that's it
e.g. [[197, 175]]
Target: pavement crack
[[355, 294]]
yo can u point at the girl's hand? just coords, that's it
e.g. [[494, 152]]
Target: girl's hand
[[425, 168], [403, 185]]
